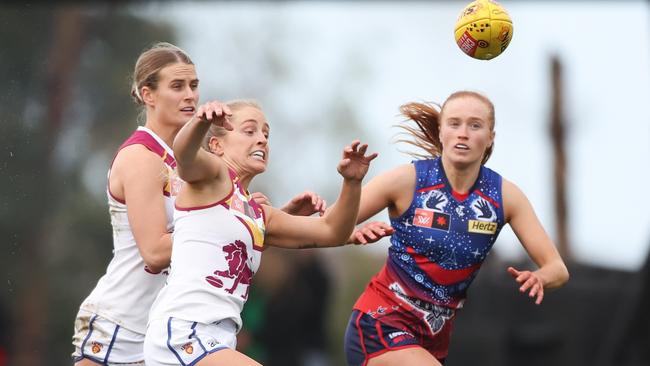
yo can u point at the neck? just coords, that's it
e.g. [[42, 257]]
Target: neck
[[245, 178], [461, 176], [165, 132]]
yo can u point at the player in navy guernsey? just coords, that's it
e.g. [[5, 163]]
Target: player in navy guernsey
[[446, 211]]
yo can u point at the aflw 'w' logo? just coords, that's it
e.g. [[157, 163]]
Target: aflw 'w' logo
[[238, 268]]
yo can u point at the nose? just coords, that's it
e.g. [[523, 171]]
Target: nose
[[191, 93], [462, 131], [262, 139]]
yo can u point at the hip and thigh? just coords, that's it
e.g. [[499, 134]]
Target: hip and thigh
[[98, 340], [173, 341]]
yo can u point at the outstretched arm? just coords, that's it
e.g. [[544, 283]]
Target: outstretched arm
[[194, 163], [552, 272], [335, 227]]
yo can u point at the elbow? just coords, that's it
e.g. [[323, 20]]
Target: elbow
[[156, 263], [564, 278]]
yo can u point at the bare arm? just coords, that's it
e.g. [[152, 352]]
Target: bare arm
[[392, 189], [195, 164], [137, 176], [335, 227], [552, 272]]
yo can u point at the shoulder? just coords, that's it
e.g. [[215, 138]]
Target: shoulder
[[400, 174], [137, 159], [513, 198]]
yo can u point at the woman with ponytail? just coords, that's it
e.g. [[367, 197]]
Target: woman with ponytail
[[447, 210]]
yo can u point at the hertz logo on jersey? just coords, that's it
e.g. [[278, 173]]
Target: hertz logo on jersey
[[481, 227], [431, 219]]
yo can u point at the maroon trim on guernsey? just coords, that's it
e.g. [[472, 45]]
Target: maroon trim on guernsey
[[431, 188], [492, 201], [143, 138], [222, 201], [112, 195], [255, 247]]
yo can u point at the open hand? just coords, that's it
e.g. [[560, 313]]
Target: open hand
[[371, 232], [216, 113], [529, 281], [306, 203], [355, 163]]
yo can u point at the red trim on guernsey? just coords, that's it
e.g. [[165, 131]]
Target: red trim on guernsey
[[432, 188], [439, 274], [221, 201], [495, 203], [459, 196]]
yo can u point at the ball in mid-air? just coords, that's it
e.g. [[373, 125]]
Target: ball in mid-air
[[483, 29]]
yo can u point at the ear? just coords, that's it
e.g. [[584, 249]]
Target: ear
[[147, 96], [216, 146], [493, 134]]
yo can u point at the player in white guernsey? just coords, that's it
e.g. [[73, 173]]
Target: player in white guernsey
[[220, 233], [142, 185]]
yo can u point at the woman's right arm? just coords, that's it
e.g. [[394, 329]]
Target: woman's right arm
[[392, 189], [194, 163], [136, 177]]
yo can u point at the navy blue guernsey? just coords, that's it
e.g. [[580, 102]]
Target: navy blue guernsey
[[440, 241]]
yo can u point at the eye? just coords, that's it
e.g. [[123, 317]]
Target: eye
[[194, 85]]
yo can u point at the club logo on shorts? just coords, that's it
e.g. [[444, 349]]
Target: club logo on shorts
[[96, 347], [188, 348]]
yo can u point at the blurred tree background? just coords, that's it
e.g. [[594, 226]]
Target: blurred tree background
[[65, 108]]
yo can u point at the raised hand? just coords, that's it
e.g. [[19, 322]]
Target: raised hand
[[305, 204], [371, 232], [215, 112], [529, 281], [355, 163]]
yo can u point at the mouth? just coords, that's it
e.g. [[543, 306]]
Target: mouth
[[188, 110], [259, 155], [461, 147]]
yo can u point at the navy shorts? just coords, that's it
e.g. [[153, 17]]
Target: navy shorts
[[366, 337]]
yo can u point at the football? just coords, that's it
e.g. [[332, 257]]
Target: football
[[483, 29]]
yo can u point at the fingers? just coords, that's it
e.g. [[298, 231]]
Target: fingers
[[260, 198], [215, 112], [530, 283]]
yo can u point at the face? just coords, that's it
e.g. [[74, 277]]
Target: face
[[465, 130], [246, 147], [174, 100]]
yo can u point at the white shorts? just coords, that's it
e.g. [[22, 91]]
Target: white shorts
[[100, 340], [174, 341]]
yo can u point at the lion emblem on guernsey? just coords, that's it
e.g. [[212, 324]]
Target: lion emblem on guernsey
[[238, 268]]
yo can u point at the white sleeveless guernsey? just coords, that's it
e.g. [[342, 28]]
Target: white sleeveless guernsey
[[125, 293], [217, 250]]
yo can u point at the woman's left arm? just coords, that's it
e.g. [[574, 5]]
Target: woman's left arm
[[552, 271], [335, 227]]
